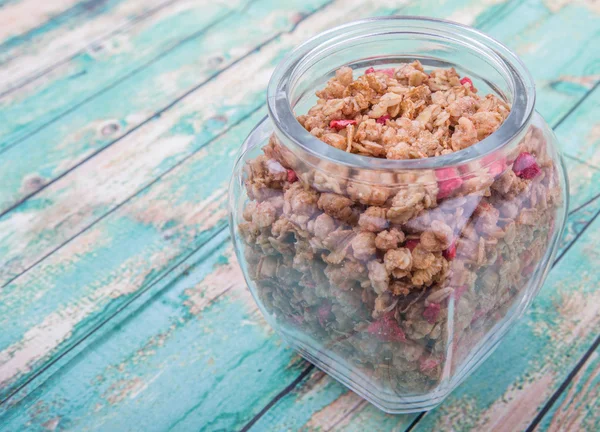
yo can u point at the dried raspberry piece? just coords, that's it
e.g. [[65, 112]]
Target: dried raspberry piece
[[389, 72], [291, 176], [323, 314], [432, 312], [459, 291], [449, 180], [387, 329], [526, 257], [428, 363], [495, 164], [450, 253], [341, 124], [467, 80], [382, 119], [497, 167], [411, 244], [526, 167]]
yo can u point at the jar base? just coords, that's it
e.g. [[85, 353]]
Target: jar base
[[396, 403]]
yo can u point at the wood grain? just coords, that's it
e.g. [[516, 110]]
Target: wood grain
[[177, 350], [99, 273], [578, 139], [105, 63], [21, 17], [102, 269], [72, 28], [578, 408], [142, 144]]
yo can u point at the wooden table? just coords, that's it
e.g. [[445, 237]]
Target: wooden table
[[121, 304]]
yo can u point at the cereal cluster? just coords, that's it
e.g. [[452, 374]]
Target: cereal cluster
[[396, 272], [403, 113]]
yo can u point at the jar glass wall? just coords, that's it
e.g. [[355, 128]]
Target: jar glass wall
[[397, 277]]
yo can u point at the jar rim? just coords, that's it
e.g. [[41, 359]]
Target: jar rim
[[285, 122]]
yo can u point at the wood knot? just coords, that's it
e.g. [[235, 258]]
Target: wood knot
[[213, 62], [109, 129]]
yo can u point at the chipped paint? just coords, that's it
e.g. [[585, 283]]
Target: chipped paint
[[225, 277], [556, 5], [336, 413], [122, 389]]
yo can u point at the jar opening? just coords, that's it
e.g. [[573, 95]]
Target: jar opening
[[387, 42]]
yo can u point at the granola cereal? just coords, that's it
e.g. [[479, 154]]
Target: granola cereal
[[401, 273]]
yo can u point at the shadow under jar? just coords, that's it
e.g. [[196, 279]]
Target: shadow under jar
[[397, 277]]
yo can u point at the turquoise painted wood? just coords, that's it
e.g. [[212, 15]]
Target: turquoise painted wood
[[37, 36], [578, 407], [210, 106], [121, 305]]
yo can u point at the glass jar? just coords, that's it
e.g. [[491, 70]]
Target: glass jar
[[397, 277]]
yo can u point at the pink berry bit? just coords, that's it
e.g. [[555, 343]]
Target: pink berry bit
[[467, 80], [370, 70], [526, 167], [341, 124], [382, 119], [426, 364], [389, 72], [432, 312], [449, 180], [291, 176], [411, 244], [450, 253], [387, 329]]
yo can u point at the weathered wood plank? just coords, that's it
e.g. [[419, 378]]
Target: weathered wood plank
[[586, 176], [104, 64], [215, 105], [321, 403], [535, 19], [33, 53], [85, 283], [166, 365], [585, 146], [98, 274], [22, 17], [578, 408]]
